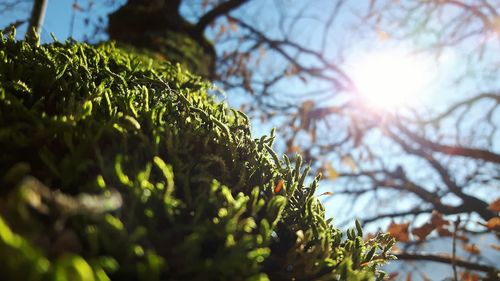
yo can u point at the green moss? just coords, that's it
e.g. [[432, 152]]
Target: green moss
[[114, 166], [174, 47]]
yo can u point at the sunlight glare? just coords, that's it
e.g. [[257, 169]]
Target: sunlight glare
[[390, 80]]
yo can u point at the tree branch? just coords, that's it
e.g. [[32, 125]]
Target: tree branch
[[474, 153], [446, 260], [212, 15], [466, 102], [395, 215], [470, 203], [280, 46]]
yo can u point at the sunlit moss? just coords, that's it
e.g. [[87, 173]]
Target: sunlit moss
[[116, 166]]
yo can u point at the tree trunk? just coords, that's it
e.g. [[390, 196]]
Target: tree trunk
[[158, 27], [36, 20]]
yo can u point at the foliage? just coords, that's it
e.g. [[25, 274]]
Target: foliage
[[114, 166], [291, 62]]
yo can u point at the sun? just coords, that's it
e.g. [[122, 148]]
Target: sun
[[390, 80]]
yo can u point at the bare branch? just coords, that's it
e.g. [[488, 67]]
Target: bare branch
[[218, 11], [446, 260], [470, 202], [466, 102], [475, 153], [397, 215]]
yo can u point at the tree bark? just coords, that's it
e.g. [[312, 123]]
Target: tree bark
[[36, 20]]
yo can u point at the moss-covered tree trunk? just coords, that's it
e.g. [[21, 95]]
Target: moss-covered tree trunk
[[157, 26]]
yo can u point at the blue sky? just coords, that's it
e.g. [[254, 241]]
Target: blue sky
[[58, 19]]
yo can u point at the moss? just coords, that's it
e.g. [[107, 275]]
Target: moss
[[115, 166], [174, 47]]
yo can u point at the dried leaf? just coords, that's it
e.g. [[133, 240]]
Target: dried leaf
[[493, 224], [332, 174], [369, 236], [472, 249], [292, 70], [262, 52], [349, 162], [496, 24], [233, 25], [392, 276], [469, 276], [396, 250], [424, 277], [222, 30], [463, 238], [382, 35], [495, 206], [399, 231], [293, 149], [279, 186], [326, 193], [423, 231], [364, 264], [495, 246], [444, 232], [437, 220]]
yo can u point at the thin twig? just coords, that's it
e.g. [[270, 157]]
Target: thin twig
[[454, 249]]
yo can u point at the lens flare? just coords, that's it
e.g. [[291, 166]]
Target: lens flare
[[390, 80]]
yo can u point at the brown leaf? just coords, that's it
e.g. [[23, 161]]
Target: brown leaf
[[349, 162], [495, 246], [293, 149], [444, 232], [392, 276], [332, 174], [233, 25], [326, 193], [493, 224], [292, 70], [469, 276], [463, 238], [396, 250], [496, 24], [437, 220], [423, 231], [222, 30], [408, 276], [472, 249], [279, 186], [399, 231], [364, 264], [495, 206], [262, 52], [369, 236], [424, 277], [382, 35]]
